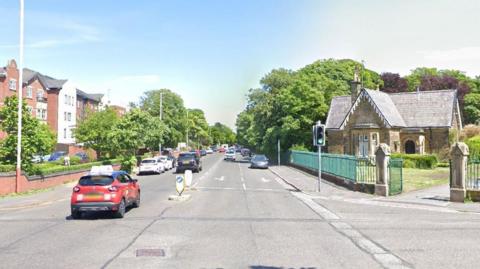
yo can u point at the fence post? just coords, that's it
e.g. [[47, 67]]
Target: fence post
[[459, 158], [382, 157]]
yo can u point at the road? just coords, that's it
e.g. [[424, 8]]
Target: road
[[236, 218]]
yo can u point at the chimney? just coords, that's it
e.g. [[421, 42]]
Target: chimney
[[355, 85]]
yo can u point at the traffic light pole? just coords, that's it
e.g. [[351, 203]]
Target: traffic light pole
[[319, 168]]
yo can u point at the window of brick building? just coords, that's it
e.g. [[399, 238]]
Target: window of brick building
[[29, 92], [12, 84]]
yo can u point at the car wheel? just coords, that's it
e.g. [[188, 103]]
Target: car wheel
[[76, 214], [137, 201], [121, 209]]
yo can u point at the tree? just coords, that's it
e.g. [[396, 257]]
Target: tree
[[174, 113], [472, 108], [198, 130], [393, 82], [37, 138], [220, 134], [96, 129], [137, 129]]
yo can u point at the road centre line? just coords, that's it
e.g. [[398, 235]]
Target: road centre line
[[244, 187]]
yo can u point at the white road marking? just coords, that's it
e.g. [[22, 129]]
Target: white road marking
[[244, 187], [222, 178], [265, 180], [206, 173], [218, 188], [381, 255], [242, 179]]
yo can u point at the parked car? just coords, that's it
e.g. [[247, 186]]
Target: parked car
[[174, 161], [37, 159], [209, 151], [188, 161], [151, 165], [203, 152], [104, 190], [167, 163], [56, 156], [259, 161], [83, 156], [245, 152], [229, 155], [221, 150]]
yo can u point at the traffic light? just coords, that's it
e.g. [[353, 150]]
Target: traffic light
[[319, 135]]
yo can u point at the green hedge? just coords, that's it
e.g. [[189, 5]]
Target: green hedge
[[47, 169], [473, 144], [7, 167], [417, 160]]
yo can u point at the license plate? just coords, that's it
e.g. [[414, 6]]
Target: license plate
[[94, 196], [185, 162]]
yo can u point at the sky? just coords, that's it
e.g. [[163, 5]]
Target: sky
[[212, 52]]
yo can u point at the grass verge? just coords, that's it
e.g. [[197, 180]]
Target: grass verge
[[416, 179], [25, 193]]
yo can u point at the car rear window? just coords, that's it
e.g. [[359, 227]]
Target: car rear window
[[186, 157], [148, 161], [260, 158], [95, 181]]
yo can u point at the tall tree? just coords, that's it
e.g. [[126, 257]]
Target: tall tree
[[37, 138], [393, 82], [173, 116], [198, 130], [96, 129], [221, 134]]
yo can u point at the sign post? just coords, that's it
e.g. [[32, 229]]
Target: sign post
[[188, 178], [319, 141], [179, 184]]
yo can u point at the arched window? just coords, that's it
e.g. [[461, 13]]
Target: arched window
[[410, 147]]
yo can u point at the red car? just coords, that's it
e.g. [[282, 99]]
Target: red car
[[111, 191], [221, 149]]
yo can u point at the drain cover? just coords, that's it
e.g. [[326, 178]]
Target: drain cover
[[150, 252]]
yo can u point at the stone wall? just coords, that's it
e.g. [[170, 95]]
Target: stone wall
[[335, 142]]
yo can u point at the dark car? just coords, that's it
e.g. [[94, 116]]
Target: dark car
[[259, 161], [56, 156], [203, 152], [188, 161]]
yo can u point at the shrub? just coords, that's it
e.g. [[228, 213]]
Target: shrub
[[473, 144], [408, 164], [444, 164], [7, 167], [469, 131], [128, 162], [420, 161], [298, 147]]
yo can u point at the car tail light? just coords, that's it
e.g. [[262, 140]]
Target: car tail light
[[113, 188], [76, 189]]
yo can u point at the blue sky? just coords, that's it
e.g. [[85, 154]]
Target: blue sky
[[212, 52]]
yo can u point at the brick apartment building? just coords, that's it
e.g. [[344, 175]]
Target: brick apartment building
[[40, 92], [56, 102]]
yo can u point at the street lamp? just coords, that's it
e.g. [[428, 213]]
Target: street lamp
[[20, 103], [161, 118]]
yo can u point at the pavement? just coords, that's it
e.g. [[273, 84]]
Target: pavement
[[239, 217]]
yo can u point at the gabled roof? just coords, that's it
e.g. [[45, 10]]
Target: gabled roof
[[91, 96], [47, 81], [409, 109]]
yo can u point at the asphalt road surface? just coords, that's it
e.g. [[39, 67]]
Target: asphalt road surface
[[236, 218]]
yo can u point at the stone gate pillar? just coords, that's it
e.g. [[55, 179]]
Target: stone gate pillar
[[382, 157], [459, 158]]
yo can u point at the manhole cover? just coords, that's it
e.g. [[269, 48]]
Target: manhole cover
[[150, 252]]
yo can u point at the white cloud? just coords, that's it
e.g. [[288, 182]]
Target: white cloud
[[459, 54]]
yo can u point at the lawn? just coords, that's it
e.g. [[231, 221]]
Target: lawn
[[415, 179]]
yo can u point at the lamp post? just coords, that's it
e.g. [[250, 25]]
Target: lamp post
[[161, 118], [20, 103]]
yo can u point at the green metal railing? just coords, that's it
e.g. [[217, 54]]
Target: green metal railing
[[361, 170], [472, 177]]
